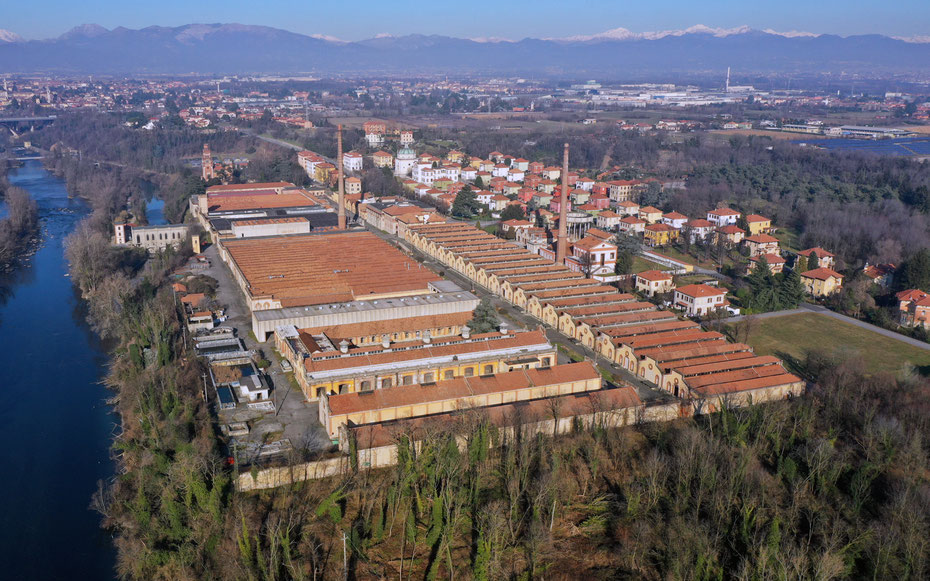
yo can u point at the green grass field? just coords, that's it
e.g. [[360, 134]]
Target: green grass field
[[640, 264], [794, 335]]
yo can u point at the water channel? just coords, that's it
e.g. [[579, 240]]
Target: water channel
[[55, 427]]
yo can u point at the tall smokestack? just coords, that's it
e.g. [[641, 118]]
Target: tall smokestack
[[341, 174], [562, 243]]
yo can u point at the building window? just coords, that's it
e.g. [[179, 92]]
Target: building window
[[488, 369], [319, 392], [545, 362], [366, 385], [449, 374], [469, 371], [407, 379], [427, 377], [387, 382]]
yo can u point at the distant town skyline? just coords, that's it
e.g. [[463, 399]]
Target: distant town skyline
[[511, 20]]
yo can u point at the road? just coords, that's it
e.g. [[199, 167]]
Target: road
[[811, 308], [519, 318]]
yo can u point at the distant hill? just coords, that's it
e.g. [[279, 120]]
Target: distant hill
[[237, 48]]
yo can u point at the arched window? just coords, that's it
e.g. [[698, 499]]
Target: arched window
[[407, 379], [469, 371], [366, 385], [387, 382]]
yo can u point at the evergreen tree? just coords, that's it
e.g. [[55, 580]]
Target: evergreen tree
[[813, 262], [915, 272], [465, 204], [512, 212], [800, 264], [762, 283], [484, 318], [790, 290]]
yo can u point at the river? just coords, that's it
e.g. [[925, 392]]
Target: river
[[55, 426]]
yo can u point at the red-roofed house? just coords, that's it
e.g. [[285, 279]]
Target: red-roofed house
[[761, 244], [913, 308], [822, 282], [700, 299], [723, 216], [652, 282]]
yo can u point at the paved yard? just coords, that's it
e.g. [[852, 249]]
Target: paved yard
[[296, 418]]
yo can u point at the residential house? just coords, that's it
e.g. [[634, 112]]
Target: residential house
[[608, 220], [352, 161], [700, 299], [650, 214], [730, 235], [824, 258], [382, 159], [353, 185], [698, 230], [595, 256], [761, 244], [674, 219], [659, 234], [757, 224], [776, 262], [631, 225], [880, 274], [653, 282], [628, 208], [913, 308], [723, 216], [822, 282]]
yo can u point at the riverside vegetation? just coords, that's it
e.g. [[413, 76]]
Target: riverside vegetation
[[833, 485]]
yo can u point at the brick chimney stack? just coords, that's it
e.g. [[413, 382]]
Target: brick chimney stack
[[562, 243], [339, 169]]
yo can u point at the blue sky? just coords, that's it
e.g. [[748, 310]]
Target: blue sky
[[476, 18]]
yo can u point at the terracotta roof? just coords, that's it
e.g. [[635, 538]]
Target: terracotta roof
[[769, 258], [820, 252], [235, 202], [700, 290], [661, 228], [761, 239], [255, 186], [730, 229], [314, 269], [674, 216], [632, 220], [821, 274], [724, 212], [649, 210], [699, 223], [910, 295], [654, 275], [756, 218]]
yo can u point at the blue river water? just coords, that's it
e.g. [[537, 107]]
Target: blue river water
[[55, 428]]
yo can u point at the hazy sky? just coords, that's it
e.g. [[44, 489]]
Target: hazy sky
[[513, 19]]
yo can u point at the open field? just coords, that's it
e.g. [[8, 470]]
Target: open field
[[794, 335]]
